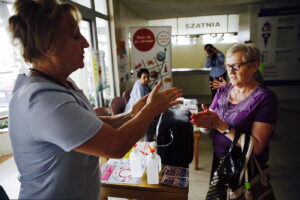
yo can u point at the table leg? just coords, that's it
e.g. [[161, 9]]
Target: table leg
[[103, 198], [196, 148]]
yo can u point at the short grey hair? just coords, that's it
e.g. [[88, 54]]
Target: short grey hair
[[250, 51]]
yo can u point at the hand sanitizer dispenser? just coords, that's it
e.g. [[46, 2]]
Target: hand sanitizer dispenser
[[153, 167], [135, 162]]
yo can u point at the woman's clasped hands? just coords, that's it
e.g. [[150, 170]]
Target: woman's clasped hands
[[206, 118]]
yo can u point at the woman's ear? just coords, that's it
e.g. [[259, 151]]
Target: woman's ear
[[46, 53], [256, 65]]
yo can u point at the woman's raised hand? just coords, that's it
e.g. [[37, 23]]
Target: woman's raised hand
[[161, 101], [139, 105]]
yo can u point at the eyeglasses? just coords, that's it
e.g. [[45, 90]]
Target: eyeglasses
[[237, 66]]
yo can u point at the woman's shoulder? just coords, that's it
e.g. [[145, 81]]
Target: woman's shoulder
[[265, 92], [137, 83]]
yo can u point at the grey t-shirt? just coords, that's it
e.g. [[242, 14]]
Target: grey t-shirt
[[46, 122]]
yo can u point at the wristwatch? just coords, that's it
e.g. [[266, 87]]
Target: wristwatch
[[227, 130]]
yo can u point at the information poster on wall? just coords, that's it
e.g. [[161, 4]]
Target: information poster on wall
[[123, 67], [100, 81], [151, 49], [279, 38]]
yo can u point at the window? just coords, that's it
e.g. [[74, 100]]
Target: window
[[84, 77], [105, 59], [220, 38], [11, 62], [86, 3], [101, 6]]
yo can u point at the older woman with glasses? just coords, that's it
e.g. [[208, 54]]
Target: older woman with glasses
[[240, 105]]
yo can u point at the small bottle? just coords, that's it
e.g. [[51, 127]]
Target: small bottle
[[135, 162], [153, 167]]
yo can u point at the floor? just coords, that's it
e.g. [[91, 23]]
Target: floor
[[284, 159]]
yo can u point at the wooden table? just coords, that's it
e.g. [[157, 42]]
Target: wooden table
[[143, 191], [196, 147]]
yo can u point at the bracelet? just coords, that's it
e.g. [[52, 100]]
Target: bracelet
[[227, 130]]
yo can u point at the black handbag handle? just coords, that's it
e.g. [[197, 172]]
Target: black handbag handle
[[234, 143], [235, 140]]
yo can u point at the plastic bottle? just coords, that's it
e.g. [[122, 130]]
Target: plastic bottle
[[153, 167], [153, 146], [135, 162]]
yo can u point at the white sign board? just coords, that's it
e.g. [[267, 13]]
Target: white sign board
[[200, 25], [278, 39], [151, 49], [208, 24]]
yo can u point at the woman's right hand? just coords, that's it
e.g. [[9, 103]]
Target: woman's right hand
[[160, 101]]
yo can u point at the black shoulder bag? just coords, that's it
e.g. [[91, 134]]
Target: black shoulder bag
[[228, 171]]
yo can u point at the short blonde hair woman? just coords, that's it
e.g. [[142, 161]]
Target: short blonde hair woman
[[56, 136], [240, 105]]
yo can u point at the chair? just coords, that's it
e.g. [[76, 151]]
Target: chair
[[117, 105], [102, 111], [126, 95]]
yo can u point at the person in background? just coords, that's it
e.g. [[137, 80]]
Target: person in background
[[240, 105], [55, 134], [217, 83], [214, 61], [140, 88]]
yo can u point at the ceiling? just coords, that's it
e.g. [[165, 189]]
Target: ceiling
[[162, 9]]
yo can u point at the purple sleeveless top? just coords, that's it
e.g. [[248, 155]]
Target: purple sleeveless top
[[259, 106]]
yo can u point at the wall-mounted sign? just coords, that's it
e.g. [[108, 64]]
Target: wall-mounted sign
[[200, 25], [278, 39], [206, 24]]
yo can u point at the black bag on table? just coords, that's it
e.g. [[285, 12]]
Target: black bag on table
[[175, 138]]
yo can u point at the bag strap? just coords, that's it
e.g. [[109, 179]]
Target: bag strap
[[249, 156], [235, 141], [259, 168], [249, 143]]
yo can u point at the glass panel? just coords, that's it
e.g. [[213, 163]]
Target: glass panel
[[11, 62], [225, 38], [86, 3], [84, 77], [101, 6], [105, 54]]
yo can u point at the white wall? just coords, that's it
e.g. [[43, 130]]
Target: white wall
[[5, 145], [192, 56]]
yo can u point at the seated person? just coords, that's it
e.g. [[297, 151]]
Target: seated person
[[140, 88]]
